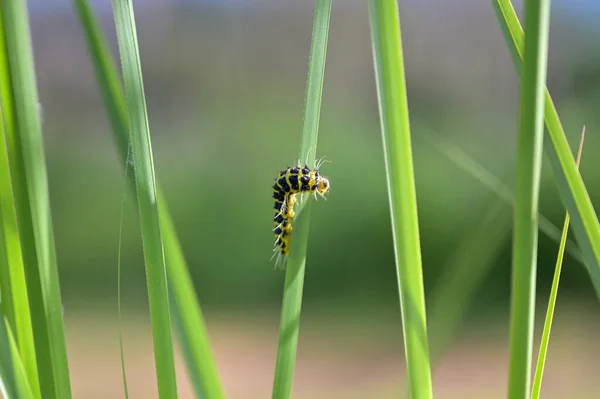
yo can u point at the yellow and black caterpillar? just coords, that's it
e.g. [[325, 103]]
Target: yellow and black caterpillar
[[291, 182]]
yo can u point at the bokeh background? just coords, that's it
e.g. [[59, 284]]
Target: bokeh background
[[225, 87]]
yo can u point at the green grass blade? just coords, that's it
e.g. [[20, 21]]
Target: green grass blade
[[296, 265], [108, 79], [570, 184], [395, 128], [188, 318], [119, 314], [21, 321], [29, 178], [14, 383], [539, 370], [14, 288], [193, 335], [6, 292], [529, 165], [147, 199], [8, 385]]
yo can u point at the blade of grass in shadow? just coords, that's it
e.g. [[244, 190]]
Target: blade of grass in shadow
[[539, 370], [463, 274], [395, 129], [119, 314], [569, 182], [147, 199], [472, 259], [529, 165], [6, 294], [294, 275], [11, 255], [29, 179], [465, 162], [188, 319]]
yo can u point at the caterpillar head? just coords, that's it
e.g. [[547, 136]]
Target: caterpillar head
[[323, 186]]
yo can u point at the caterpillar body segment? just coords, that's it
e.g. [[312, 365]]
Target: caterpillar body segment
[[291, 182]]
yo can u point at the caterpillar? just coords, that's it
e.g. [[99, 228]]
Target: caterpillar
[[293, 181]]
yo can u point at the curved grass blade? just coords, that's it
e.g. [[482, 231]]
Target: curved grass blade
[[529, 165], [158, 295], [188, 320], [294, 275], [569, 182], [395, 129], [29, 179], [539, 370]]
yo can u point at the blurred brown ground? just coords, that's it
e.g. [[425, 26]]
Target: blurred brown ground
[[334, 361]]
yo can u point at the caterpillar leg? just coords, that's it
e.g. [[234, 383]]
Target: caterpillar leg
[[320, 194], [302, 198]]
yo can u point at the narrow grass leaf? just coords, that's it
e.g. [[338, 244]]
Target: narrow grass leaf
[[296, 265], [395, 129], [192, 331], [569, 182], [14, 383], [529, 165], [147, 199], [539, 370], [119, 314], [13, 266], [29, 179], [8, 385]]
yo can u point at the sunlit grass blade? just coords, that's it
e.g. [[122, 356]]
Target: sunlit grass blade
[[158, 295], [14, 383], [193, 335], [529, 165], [296, 265], [20, 320], [29, 180], [569, 182], [13, 287], [395, 128], [539, 370], [471, 166], [464, 273], [8, 385]]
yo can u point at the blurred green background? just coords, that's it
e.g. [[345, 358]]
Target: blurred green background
[[225, 87]]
